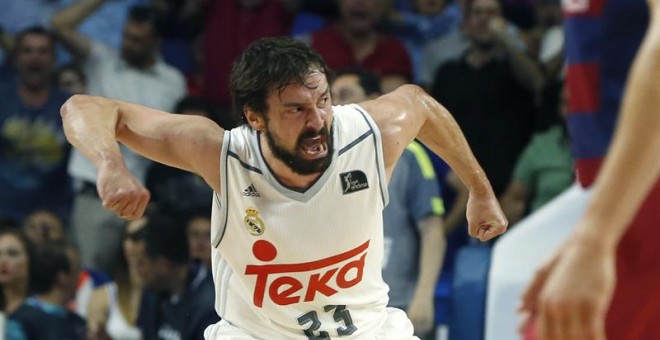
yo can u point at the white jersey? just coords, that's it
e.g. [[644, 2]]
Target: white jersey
[[291, 264]]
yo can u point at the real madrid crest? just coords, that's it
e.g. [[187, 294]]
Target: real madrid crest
[[253, 223]]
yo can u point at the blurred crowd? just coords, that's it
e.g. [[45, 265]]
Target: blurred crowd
[[69, 269]]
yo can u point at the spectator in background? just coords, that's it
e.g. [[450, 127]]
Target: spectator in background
[[114, 307], [178, 298], [33, 149], [135, 74], [414, 236], [71, 79], [168, 185], [17, 15], [452, 46], [183, 22], [425, 21], [231, 26], [198, 229], [491, 92], [354, 40], [16, 269], [543, 171], [43, 226], [45, 315]]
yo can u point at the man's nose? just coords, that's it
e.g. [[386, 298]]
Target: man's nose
[[316, 119]]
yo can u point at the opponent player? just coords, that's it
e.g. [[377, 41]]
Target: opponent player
[[299, 190], [604, 281]]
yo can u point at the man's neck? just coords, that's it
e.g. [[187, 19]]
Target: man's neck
[[282, 171], [33, 96]]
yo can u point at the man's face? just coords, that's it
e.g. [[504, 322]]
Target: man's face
[[346, 89], [360, 16], [480, 16], [70, 82], [298, 125], [139, 44], [199, 239], [43, 226], [35, 60], [155, 272]]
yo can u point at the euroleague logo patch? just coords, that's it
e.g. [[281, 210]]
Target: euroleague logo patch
[[254, 224], [353, 181]]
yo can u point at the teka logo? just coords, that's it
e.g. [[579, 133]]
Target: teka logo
[[325, 276], [353, 181]]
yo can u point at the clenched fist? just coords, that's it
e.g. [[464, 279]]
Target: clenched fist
[[121, 193], [485, 217]]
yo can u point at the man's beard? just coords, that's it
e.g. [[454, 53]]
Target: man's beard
[[296, 163], [484, 44]]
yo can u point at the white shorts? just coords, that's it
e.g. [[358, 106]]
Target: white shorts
[[397, 327]]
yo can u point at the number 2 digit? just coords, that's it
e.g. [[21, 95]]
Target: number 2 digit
[[341, 314]]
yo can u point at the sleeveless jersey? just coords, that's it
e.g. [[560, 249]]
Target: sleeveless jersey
[[602, 38], [291, 264]]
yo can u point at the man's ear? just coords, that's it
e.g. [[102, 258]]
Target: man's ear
[[256, 120]]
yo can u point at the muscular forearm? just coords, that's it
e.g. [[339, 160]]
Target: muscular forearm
[[89, 125], [431, 255], [632, 164], [443, 136], [456, 215]]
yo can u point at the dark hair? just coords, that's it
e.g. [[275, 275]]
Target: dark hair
[[270, 64], [34, 30], [73, 67], [368, 80], [165, 236], [29, 251], [50, 260], [147, 15]]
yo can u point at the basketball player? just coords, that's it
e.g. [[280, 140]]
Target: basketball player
[[613, 258], [299, 191]]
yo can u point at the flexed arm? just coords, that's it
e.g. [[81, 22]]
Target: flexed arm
[[94, 125], [408, 113]]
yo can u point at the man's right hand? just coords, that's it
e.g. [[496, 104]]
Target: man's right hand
[[121, 192], [485, 217]]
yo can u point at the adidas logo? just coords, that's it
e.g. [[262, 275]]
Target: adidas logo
[[251, 191]]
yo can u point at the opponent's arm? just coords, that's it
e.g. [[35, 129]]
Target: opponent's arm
[[95, 124], [569, 295], [408, 113]]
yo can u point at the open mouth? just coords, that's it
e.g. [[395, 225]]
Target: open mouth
[[315, 147]]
